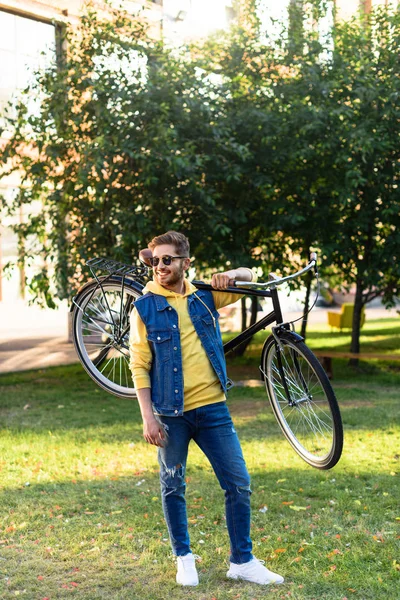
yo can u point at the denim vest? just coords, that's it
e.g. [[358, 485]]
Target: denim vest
[[161, 321]]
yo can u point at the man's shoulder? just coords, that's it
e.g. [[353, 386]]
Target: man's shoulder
[[143, 298], [150, 301], [143, 303]]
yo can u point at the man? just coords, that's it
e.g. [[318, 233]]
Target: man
[[179, 371]]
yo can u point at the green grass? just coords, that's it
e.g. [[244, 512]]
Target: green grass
[[380, 336], [80, 512], [377, 336]]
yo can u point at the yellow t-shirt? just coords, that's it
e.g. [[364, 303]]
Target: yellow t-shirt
[[201, 385]]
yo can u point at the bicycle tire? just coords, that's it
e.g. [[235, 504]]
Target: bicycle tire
[[100, 315], [312, 424]]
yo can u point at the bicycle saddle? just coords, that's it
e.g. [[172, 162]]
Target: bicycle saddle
[[145, 255]]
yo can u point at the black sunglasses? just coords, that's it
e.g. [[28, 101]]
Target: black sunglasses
[[167, 260]]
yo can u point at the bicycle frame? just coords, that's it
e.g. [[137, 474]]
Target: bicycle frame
[[275, 316], [245, 288], [132, 275]]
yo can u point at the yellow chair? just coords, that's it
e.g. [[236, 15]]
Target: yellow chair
[[344, 319]]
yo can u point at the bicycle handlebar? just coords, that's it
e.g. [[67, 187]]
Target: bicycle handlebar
[[275, 280]]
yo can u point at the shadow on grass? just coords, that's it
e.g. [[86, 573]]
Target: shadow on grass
[[64, 399], [337, 340], [109, 537]]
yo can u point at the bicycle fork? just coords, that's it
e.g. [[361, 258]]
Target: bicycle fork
[[279, 348]]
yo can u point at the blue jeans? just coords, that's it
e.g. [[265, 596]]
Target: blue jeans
[[212, 429]]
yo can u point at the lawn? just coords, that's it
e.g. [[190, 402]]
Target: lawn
[[379, 336], [80, 511]]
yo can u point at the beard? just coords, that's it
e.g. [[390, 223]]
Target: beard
[[170, 278]]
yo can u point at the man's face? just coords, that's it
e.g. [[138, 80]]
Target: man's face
[[171, 275]]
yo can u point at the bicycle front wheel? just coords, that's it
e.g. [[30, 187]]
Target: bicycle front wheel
[[100, 330], [303, 402]]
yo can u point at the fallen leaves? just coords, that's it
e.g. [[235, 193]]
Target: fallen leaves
[[276, 552], [297, 559], [333, 553], [70, 585], [332, 569]]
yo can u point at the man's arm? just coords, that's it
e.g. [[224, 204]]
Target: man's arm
[[153, 431], [140, 364], [222, 298]]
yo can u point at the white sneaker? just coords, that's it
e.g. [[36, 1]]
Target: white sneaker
[[255, 572], [187, 572]]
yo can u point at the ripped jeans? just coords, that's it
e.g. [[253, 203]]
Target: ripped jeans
[[212, 429]]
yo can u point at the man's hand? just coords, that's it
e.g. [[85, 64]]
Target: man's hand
[[153, 432], [221, 281]]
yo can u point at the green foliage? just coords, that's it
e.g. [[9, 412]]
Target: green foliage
[[365, 113], [259, 149], [118, 150], [320, 120]]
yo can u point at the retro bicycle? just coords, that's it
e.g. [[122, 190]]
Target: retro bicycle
[[299, 391]]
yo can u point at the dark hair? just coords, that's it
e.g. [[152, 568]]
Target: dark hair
[[174, 238]]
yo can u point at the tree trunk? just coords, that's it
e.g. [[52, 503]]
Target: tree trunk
[[356, 329], [309, 278], [240, 350]]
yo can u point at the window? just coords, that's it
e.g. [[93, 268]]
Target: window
[[23, 43]]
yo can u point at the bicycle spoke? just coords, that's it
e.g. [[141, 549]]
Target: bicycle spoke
[[96, 326], [305, 414], [103, 316]]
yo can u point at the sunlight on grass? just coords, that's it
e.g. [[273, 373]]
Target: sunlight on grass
[[376, 336], [80, 510]]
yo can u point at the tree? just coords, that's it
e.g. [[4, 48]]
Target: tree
[[253, 147], [365, 160], [320, 120], [276, 106], [118, 149], [338, 184]]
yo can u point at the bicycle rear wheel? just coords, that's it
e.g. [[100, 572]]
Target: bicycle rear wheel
[[303, 402], [100, 330]]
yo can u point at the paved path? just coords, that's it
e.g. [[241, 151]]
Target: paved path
[[35, 353], [31, 338]]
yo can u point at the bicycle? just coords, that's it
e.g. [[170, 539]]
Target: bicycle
[[299, 391]]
